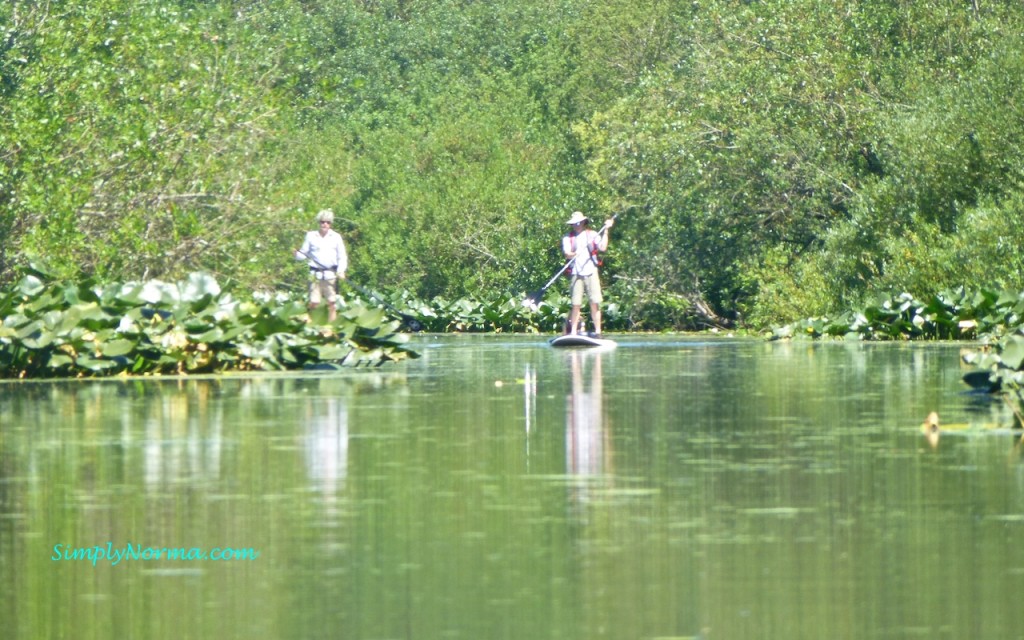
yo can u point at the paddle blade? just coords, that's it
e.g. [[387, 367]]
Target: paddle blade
[[533, 300]]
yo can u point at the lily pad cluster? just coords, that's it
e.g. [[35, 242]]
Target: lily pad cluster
[[499, 314], [952, 315], [998, 365], [51, 329], [496, 314]]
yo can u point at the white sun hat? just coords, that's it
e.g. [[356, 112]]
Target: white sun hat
[[577, 217]]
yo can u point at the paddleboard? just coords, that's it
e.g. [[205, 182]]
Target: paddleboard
[[581, 340]]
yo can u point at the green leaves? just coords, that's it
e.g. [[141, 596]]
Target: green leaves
[[190, 326], [951, 315], [1012, 352], [999, 365], [129, 130], [776, 158]]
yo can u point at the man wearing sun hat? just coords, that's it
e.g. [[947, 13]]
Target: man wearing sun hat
[[324, 249], [582, 245]]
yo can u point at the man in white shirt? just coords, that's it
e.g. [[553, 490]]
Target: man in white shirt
[[582, 245], [324, 250]]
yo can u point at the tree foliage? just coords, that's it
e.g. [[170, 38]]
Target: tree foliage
[[770, 159]]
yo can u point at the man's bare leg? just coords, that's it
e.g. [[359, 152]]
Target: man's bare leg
[[574, 319], [595, 317]]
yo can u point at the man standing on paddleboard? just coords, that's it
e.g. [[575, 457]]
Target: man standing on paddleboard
[[582, 245]]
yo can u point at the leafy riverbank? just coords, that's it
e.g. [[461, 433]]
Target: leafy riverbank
[[771, 160], [50, 329]]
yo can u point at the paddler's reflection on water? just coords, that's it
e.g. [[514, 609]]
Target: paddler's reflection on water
[[586, 439], [182, 437], [326, 443], [319, 408]]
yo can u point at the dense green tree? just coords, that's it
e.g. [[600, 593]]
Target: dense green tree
[[769, 159], [127, 134]]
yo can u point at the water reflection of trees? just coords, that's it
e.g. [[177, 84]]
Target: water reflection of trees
[[162, 434], [734, 488], [183, 438], [256, 462]]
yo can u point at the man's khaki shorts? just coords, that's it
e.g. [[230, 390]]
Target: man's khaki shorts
[[591, 285], [325, 289]]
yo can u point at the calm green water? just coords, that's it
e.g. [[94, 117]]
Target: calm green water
[[501, 489]]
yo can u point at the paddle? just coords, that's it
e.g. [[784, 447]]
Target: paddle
[[533, 299], [412, 323]]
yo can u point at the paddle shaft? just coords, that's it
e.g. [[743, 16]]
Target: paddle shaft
[[556, 276], [316, 263], [412, 322]]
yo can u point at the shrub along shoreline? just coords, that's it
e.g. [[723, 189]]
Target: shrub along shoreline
[[54, 330]]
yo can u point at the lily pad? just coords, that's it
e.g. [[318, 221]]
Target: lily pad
[[1013, 352], [117, 348]]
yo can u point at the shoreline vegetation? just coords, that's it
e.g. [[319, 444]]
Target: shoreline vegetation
[[194, 327], [770, 161], [54, 330], [994, 321]]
